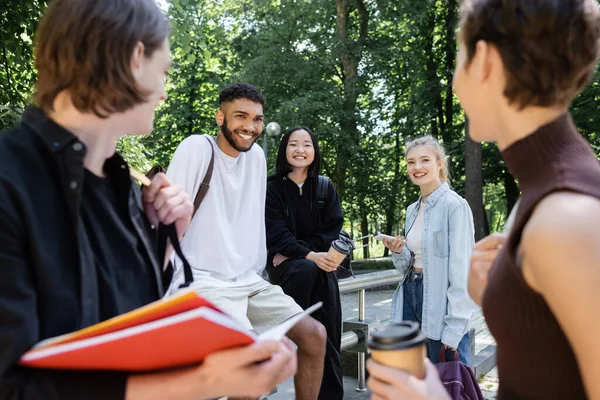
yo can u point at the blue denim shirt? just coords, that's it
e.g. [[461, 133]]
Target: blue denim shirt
[[447, 243]]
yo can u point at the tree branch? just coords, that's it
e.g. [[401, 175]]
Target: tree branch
[[340, 73], [7, 71]]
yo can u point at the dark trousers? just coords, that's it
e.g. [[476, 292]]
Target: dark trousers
[[412, 310], [306, 283]]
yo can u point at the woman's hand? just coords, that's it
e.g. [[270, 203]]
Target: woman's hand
[[323, 261], [392, 384], [395, 245], [167, 203], [483, 257], [279, 259]]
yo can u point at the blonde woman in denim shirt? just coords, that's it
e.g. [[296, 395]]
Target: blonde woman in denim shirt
[[435, 255]]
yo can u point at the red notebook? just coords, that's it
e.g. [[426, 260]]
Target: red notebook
[[176, 331]]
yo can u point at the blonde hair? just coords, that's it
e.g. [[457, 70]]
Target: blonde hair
[[432, 144]]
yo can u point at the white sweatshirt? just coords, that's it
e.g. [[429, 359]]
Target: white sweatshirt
[[226, 240]]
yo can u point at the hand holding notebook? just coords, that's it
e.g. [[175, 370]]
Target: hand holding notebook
[[180, 330]]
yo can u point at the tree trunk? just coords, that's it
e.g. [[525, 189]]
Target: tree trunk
[[364, 227], [449, 66], [511, 190], [474, 184], [433, 82], [391, 209], [350, 57]]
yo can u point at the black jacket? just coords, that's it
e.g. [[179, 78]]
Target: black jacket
[[48, 285], [294, 222]]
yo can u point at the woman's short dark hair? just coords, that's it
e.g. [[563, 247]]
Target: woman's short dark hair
[[85, 47], [282, 167], [549, 48]]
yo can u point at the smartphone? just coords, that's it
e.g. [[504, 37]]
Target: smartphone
[[381, 236]]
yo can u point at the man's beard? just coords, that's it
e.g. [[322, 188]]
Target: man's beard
[[229, 136]]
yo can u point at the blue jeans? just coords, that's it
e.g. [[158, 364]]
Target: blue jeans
[[413, 311]]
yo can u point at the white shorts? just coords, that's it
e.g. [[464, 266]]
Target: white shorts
[[258, 306]]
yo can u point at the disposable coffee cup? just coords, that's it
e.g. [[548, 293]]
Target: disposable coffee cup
[[338, 251], [401, 345]]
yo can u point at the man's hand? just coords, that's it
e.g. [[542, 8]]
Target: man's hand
[[167, 203], [483, 257], [278, 259], [392, 384], [248, 371], [323, 261], [395, 245]]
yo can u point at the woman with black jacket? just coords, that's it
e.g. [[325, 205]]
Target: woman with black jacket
[[300, 229]]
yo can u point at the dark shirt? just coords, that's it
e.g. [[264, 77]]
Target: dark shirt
[[125, 279], [49, 284], [535, 359], [295, 223]]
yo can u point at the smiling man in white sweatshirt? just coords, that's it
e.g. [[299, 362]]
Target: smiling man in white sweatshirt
[[226, 241]]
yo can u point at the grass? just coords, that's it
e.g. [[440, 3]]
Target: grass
[[372, 264]]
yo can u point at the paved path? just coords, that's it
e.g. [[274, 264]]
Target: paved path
[[489, 385], [378, 305]]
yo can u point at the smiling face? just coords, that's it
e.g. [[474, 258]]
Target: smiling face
[[300, 150], [424, 168], [241, 123]]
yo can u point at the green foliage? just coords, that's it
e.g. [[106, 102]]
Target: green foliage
[[495, 206], [9, 116], [372, 264], [132, 149], [201, 66], [18, 19], [365, 75], [586, 112]]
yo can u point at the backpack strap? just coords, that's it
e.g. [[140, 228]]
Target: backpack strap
[[205, 185], [322, 186], [170, 232]]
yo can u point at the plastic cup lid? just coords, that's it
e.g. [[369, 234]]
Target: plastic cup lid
[[341, 246], [397, 336]]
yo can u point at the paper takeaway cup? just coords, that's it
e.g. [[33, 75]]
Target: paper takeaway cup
[[401, 345], [339, 250]]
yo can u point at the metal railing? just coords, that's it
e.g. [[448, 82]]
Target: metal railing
[[360, 239], [370, 280], [356, 336]]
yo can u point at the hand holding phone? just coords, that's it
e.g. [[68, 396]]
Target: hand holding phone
[[395, 244]]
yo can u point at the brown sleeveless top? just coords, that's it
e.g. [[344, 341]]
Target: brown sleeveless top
[[534, 357]]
